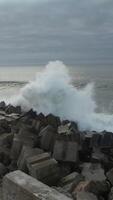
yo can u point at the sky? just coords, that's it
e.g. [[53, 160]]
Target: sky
[[78, 32]]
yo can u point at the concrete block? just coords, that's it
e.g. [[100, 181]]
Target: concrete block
[[37, 159], [27, 152], [18, 185], [47, 138], [46, 171], [66, 151]]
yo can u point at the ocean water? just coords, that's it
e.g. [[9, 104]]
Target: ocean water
[[83, 94]]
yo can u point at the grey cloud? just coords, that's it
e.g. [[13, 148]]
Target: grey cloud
[[75, 31]]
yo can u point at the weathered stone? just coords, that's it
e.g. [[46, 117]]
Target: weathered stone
[[47, 138], [109, 176], [46, 171], [66, 151], [84, 196], [18, 185], [26, 153], [93, 171]]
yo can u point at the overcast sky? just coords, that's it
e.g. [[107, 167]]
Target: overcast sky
[[78, 32]]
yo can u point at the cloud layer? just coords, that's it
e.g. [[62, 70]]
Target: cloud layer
[[76, 31]]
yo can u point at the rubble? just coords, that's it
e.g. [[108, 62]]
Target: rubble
[[76, 163]]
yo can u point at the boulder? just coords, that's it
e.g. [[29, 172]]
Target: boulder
[[18, 185], [66, 151], [26, 153]]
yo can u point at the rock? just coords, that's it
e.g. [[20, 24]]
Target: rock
[[18, 185], [84, 196], [93, 171], [109, 176], [53, 121], [47, 138], [3, 170], [2, 105], [26, 153], [66, 151], [45, 170]]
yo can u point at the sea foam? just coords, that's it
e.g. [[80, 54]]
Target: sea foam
[[52, 92]]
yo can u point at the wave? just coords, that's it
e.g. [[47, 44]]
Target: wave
[[52, 92]]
